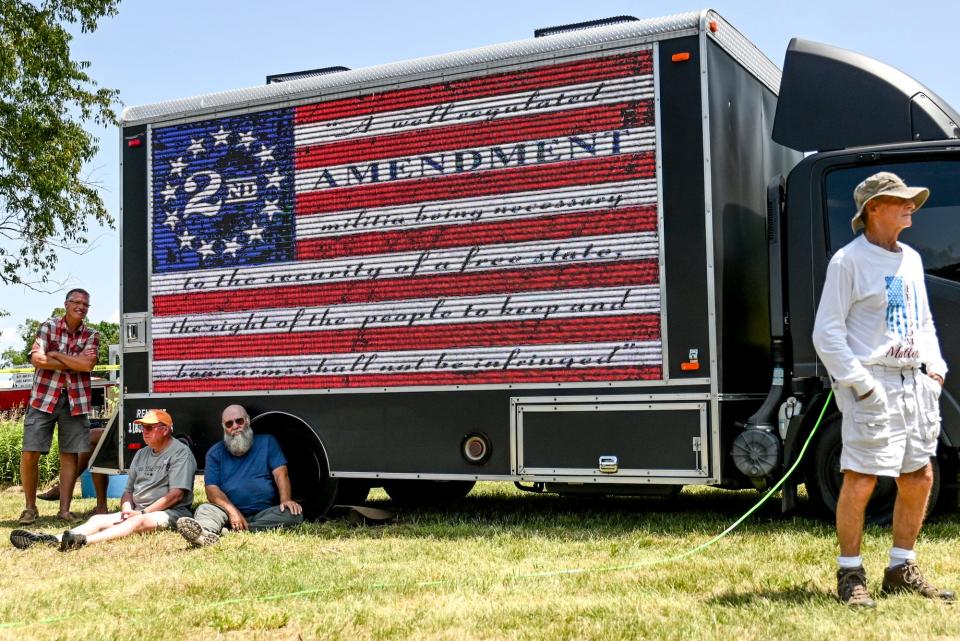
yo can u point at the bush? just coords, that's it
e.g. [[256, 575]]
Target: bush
[[11, 443]]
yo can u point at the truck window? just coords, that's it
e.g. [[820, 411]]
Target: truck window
[[936, 228]]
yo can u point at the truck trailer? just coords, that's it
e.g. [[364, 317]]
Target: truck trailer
[[583, 263]]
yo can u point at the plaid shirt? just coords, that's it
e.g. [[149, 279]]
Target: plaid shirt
[[48, 384]]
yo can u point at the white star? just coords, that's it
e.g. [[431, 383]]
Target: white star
[[246, 139], [220, 137], [177, 166], [169, 192], [196, 147], [186, 240], [274, 179], [172, 220], [254, 233], [271, 208], [265, 154], [206, 249], [231, 246]]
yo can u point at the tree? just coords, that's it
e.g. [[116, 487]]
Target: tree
[[109, 335], [27, 332], [45, 100]]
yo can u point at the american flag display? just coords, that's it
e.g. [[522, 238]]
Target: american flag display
[[497, 229]]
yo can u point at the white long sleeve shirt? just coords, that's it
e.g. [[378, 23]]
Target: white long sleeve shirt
[[874, 311]]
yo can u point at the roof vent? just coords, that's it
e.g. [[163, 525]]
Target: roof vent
[[576, 26], [297, 75]]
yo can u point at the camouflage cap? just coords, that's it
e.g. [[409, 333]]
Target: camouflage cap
[[884, 184]]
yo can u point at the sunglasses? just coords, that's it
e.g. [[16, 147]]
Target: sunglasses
[[154, 426], [239, 422]]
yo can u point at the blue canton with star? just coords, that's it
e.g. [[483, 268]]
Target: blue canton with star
[[223, 192]]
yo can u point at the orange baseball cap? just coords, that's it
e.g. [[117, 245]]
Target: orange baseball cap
[[153, 417]]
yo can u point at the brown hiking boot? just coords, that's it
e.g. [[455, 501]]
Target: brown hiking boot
[[906, 577], [852, 588]]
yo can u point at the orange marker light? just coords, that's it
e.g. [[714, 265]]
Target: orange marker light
[[680, 57], [714, 26]]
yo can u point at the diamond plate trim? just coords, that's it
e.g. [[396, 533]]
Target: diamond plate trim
[[742, 50], [405, 72]]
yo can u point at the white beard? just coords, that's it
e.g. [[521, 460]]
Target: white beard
[[239, 443]]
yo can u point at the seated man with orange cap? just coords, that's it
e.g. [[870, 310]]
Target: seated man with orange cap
[[159, 491]]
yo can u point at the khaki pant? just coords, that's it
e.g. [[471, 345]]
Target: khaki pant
[[212, 518]]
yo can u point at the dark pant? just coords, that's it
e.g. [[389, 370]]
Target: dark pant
[[212, 518]]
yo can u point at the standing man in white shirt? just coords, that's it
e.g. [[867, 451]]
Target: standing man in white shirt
[[873, 332]]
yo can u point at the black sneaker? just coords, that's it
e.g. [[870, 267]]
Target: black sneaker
[[23, 539], [72, 541], [906, 577], [852, 588]]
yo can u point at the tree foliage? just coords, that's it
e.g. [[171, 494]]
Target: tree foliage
[[12, 356], [45, 99]]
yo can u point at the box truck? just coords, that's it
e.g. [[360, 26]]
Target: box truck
[[587, 262]]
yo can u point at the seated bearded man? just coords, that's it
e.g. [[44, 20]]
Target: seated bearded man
[[247, 485]]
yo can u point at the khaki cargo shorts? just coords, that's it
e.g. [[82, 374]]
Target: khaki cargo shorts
[[894, 432]]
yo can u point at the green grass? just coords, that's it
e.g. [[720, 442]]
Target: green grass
[[471, 572]]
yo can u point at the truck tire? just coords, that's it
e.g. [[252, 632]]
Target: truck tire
[[824, 479], [425, 493], [310, 480]]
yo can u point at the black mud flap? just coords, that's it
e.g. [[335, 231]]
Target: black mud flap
[[106, 455]]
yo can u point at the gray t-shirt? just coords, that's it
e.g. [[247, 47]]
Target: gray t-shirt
[[152, 475]]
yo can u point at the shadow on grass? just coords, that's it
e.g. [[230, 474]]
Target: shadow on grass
[[795, 595], [44, 523], [695, 512]]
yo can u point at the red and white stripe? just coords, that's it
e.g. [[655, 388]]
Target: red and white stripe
[[540, 266]]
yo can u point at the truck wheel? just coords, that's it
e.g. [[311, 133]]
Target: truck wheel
[[824, 479], [424, 493], [310, 480]]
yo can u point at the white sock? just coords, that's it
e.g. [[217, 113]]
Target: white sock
[[899, 556], [850, 561]]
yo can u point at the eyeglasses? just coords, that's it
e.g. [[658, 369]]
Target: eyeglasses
[[239, 422], [154, 426]]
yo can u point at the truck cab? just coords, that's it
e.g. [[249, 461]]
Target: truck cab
[[862, 117]]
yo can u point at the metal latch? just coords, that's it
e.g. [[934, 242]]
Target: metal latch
[[609, 464], [134, 338], [696, 453]]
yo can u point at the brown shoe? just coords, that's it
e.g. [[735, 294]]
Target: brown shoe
[[69, 517], [28, 516], [852, 588], [906, 577], [53, 494]]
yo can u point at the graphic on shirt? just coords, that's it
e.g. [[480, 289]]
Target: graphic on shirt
[[899, 299]]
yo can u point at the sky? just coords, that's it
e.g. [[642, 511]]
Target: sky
[[155, 51]]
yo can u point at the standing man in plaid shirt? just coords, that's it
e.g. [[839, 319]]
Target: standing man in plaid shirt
[[64, 354]]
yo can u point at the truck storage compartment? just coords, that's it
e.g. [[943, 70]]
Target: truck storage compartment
[[611, 439]]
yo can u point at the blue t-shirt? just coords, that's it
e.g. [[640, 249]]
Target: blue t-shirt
[[246, 480]]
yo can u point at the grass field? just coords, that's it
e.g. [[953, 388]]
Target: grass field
[[500, 564]]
